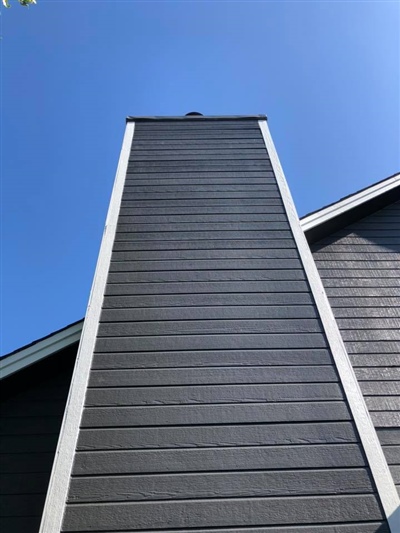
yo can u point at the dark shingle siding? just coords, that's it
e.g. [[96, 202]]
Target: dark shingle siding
[[213, 401], [32, 408], [360, 268]]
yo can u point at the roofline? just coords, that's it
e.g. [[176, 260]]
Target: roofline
[[40, 349], [196, 118], [348, 203]]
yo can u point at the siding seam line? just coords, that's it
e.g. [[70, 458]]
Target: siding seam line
[[386, 488]]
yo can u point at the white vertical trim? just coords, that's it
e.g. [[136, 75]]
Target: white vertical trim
[[57, 492], [377, 462]]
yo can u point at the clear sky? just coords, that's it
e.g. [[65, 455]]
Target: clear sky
[[326, 74]]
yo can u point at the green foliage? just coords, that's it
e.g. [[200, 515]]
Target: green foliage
[[24, 3]]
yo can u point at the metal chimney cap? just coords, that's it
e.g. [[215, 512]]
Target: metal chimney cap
[[194, 114]]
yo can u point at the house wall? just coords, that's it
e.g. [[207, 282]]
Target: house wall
[[31, 410], [213, 401], [360, 269]]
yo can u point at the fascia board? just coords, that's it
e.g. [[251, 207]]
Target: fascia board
[[40, 350], [347, 204]]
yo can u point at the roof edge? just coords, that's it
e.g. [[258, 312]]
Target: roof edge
[[196, 118], [40, 349], [350, 208]]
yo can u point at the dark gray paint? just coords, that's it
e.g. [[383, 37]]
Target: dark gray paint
[[213, 400], [32, 407], [365, 297]]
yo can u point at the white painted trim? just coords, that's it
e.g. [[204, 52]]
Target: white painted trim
[[342, 206], [57, 492], [386, 488], [40, 350]]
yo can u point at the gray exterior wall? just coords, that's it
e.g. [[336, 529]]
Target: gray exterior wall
[[213, 402], [32, 406], [360, 269]]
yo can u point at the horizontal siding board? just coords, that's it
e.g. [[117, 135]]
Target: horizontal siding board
[[392, 454], [34, 408], [204, 166], [189, 288], [212, 394], [241, 358], [210, 342], [395, 471], [23, 483], [195, 276], [383, 403], [387, 347], [21, 504], [191, 144], [29, 425], [367, 265], [218, 459], [203, 235], [365, 527], [204, 179], [163, 437], [355, 240], [226, 244], [208, 299], [25, 463], [365, 302], [373, 359], [202, 513], [369, 323], [371, 335], [209, 313], [21, 524], [207, 264], [202, 218], [191, 255], [193, 174], [203, 203], [212, 194], [126, 416], [221, 485], [207, 376], [363, 256], [36, 443], [202, 226], [386, 419], [389, 436], [360, 292], [351, 283], [359, 273], [380, 388], [197, 155], [367, 312], [207, 327], [370, 247], [378, 374]]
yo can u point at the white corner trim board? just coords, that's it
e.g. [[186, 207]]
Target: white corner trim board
[[385, 486], [342, 206], [60, 476], [40, 350]]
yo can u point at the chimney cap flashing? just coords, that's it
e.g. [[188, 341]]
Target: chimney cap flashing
[[195, 117]]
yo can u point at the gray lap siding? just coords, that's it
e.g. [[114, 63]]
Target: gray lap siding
[[213, 400], [365, 297]]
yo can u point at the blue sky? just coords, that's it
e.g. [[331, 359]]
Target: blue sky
[[326, 73]]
